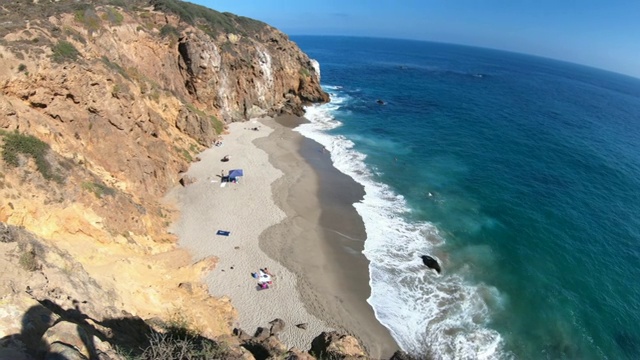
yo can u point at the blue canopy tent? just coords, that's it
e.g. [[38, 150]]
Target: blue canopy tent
[[235, 174]]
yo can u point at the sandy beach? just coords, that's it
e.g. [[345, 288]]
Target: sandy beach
[[291, 212]]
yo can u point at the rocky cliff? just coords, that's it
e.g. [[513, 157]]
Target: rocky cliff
[[103, 104]]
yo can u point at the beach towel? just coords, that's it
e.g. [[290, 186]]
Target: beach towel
[[223, 233]]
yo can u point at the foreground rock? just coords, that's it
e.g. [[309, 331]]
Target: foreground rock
[[334, 345], [52, 306]]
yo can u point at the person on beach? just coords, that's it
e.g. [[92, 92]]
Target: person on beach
[[266, 271]]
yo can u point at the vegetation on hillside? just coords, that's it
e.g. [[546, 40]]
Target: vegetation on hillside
[[64, 51], [91, 14], [16, 144], [210, 21]]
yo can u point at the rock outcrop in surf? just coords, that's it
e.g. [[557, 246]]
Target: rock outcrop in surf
[[431, 263]]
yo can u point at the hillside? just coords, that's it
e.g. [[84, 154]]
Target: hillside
[[103, 104]]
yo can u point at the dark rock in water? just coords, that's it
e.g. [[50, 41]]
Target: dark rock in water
[[302, 326], [431, 263], [277, 325], [381, 102]]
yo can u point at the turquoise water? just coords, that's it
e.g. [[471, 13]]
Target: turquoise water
[[520, 174]]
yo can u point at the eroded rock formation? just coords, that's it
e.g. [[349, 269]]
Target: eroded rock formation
[[102, 105]]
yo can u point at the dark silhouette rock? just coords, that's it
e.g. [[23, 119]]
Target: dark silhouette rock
[[262, 334], [277, 325], [302, 326], [61, 350], [431, 263], [401, 355], [380, 102]]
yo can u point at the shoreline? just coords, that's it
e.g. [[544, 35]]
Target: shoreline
[[321, 281], [324, 235]]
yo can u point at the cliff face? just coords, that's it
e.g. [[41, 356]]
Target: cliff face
[[104, 103]]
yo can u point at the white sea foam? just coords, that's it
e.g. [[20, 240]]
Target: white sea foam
[[439, 315]]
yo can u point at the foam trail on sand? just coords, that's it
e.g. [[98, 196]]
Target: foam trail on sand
[[439, 315]]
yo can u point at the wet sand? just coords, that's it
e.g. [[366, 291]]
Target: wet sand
[[322, 238]]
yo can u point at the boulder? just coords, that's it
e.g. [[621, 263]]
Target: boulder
[[261, 334], [242, 335], [14, 354], [275, 346], [277, 325], [431, 263], [59, 351], [297, 354], [187, 286], [333, 345], [401, 355], [187, 180], [72, 335]]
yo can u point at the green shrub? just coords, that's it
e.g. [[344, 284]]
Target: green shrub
[[169, 30], [212, 22], [28, 260], [88, 18], [173, 345], [120, 3], [98, 189], [64, 51], [114, 66], [113, 16], [217, 124], [184, 152], [75, 35], [22, 67], [16, 143]]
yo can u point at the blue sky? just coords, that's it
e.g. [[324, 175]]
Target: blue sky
[[599, 33]]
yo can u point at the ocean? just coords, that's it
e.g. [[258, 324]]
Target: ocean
[[520, 174]]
